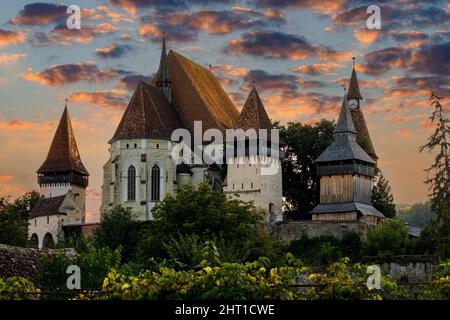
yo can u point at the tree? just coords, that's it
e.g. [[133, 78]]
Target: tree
[[117, 229], [388, 238], [439, 181], [304, 143], [184, 222], [382, 198], [14, 218]]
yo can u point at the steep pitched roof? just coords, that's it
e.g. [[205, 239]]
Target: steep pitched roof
[[48, 206], [344, 146], [163, 72], [148, 115], [198, 95], [345, 122], [353, 88], [363, 136], [253, 114], [63, 154]]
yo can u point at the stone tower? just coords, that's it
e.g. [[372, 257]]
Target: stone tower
[[346, 173], [63, 180], [254, 176]]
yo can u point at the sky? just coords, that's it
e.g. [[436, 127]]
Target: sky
[[298, 52]]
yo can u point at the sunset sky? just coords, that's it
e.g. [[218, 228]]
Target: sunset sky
[[297, 51]]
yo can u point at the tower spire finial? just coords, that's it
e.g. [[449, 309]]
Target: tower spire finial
[[353, 58], [162, 79], [253, 84], [353, 87]]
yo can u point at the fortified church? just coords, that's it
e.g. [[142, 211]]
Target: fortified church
[[140, 171]]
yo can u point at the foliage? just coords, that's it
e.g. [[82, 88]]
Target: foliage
[[418, 214], [14, 218], [184, 222], [324, 250], [382, 198], [18, 288], [304, 143], [94, 265], [439, 182], [117, 229], [390, 237], [341, 281]]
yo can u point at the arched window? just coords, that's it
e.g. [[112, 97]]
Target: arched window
[[156, 183], [131, 195]]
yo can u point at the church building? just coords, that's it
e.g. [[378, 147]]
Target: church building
[[140, 171], [62, 179]]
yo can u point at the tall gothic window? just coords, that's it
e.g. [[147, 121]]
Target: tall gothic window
[[156, 183], [131, 183]]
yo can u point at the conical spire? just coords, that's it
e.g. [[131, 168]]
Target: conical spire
[[63, 155], [253, 114], [345, 122], [162, 76], [353, 89]]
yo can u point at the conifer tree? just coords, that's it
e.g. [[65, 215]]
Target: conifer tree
[[439, 173], [382, 198]]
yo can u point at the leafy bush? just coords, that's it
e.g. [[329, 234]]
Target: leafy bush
[[117, 229], [388, 238], [18, 288]]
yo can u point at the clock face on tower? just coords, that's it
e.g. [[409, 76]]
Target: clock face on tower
[[353, 103]]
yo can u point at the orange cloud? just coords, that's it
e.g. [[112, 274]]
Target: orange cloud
[[404, 133], [8, 38], [6, 177], [111, 99], [318, 68], [366, 36]]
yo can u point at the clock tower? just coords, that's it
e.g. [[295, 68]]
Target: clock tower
[[354, 99]]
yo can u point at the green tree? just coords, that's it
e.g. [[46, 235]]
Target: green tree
[[439, 181], [382, 198], [388, 238], [184, 222], [304, 143], [14, 218], [117, 229]]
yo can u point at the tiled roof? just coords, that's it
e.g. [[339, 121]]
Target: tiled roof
[[353, 88], [148, 115], [198, 95], [48, 206], [23, 262], [253, 114], [363, 136], [63, 155]]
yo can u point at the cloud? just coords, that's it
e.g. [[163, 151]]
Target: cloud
[[61, 35], [380, 61], [173, 33], [366, 36], [40, 14], [318, 68], [434, 59], [114, 50], [5, 177], [7, 58], [8, 38], [59, 75], [109, 99], [130, 82], [274, 44], [324, 6]]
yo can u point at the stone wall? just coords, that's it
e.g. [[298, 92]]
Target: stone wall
[[293, 230]]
